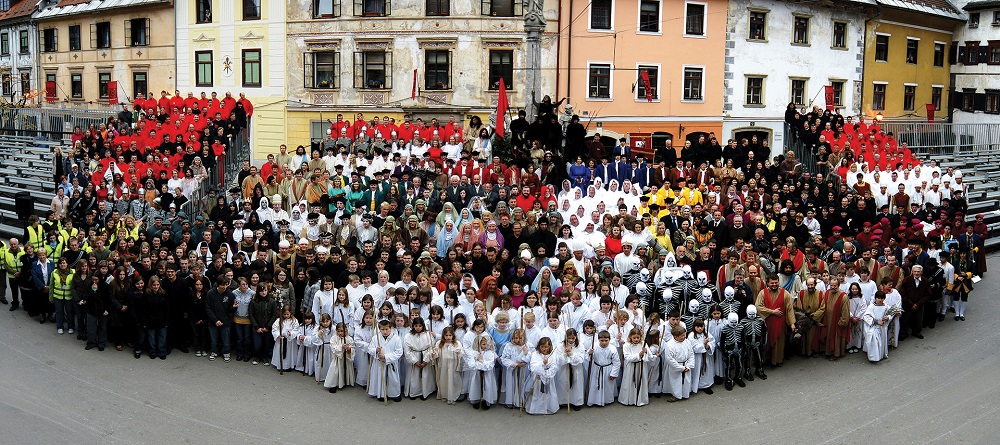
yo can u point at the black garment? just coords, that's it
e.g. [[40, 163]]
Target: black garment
[[219, 307]]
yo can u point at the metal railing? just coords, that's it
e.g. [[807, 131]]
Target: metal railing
[[931, 139], [220, 178], [51, 124]]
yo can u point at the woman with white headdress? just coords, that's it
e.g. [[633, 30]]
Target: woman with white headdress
[[631, 194], [297, 222], [446, 237], [567, 190], [264, 210], [447, 212], [545, 273]]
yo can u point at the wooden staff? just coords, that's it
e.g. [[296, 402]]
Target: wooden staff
[[343, 361], [281, 354], [569, 377], [385, 373], [434, 368], [322, 346], [517, 387]]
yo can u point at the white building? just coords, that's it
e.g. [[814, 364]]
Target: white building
[[976, 64], [781, 52], [18, 50]]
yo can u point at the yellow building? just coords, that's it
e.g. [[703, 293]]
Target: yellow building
[[237, 47], [84, 45], [906, 59]]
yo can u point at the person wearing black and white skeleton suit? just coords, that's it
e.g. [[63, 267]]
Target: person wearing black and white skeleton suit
[[754, 341], [693, 308], [688, 284], [729, 304], [671, 293], [731, 341], [703, 284], [646, 296], [669, 268], [706, 303], [643, 276]]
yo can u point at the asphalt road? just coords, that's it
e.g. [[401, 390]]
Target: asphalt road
[[937, 390]]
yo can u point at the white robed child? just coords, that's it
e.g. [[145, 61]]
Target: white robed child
[[363, 335], [449, 355], [635, 381], [419, 350], [515, 358], [714, 327], [283, 330], [703, 346], [482, 359], [679, 358], [305, 351], [542, 397], [321, 341], [857, 309], [469, 342], [386, 349], [340, 372], [570, 381], [605, 365], [876, 328]]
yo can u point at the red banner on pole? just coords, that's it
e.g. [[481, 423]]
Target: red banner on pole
[[646, 87], [50, 91], [413, 94], [503, 104], [930, 112], [829, 97], [113, 92]]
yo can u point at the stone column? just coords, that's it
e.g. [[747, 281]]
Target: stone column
[[534, 25]]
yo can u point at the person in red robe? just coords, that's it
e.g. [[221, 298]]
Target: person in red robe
[[775, 305]]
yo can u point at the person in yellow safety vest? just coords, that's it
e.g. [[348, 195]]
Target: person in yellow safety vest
[[10, 269], [61, 295], [68, 231], [54, 247], [34, 234]]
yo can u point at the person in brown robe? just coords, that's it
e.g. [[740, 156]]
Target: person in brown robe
[[813, 303], [836, 321], [775, 305]]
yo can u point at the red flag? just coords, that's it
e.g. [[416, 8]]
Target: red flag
[[50, 91], [413, 94], [113, 92], [502, 106], [829, 97], [930, 112], [646, 86]]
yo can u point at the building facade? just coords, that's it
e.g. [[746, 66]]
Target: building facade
[[84, 46], [423, 58], [236, 47], [976, 64], [785, 52], [18, 52], [906, 60], [608, 46]]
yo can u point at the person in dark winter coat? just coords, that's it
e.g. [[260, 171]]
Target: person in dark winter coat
[[220, 305], [155, 318]]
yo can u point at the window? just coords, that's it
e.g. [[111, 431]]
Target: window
[[251, 9], [936, 97], [993, 53], [203, 11], [755, 90], [4, 5], [103, 79], [693, 83], [137, 31], [600, 14], [694, 24], [653, 72], [100, 35], [373, 70], [971, 53], [909, 97], [993, 101], [758, 25], [22, 42], [599, 81], [203, 68], [973, 20], [49, 42], [501, 66], [140, 85], [649, 16], [996, 18], [938, 54], [8, 84], [838, 92], [911, 50], [437, 69], [74, 38], [953, 54], [76, 85], [798, 94], [502, 8], [326, 9], [881, 48], [25, 82], [438, 7], [878, 96], [800, 34], [839, 35], [322, 70], [4, 44], [968, 99], [251, 68]]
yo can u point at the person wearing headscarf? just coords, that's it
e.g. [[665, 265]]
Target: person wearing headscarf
[[446, 238], [448, 212], [545, 273], [491, 237]]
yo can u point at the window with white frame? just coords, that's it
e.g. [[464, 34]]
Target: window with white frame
[[755, 90], [800, 31], [694, 83], [599, 81], [878, 96], [798, 93], [838, 92], [909, 97], [653, 72], [600, 14], [649, 15], [840, 35], [758, 25], [695, 19]]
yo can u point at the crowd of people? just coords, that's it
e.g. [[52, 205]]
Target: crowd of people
[[412, 260]]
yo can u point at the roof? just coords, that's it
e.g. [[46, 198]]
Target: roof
[[975, 6], [940, 8], [73, 7], [23, 8]]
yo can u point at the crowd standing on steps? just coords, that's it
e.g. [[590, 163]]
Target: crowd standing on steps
[[417, 260]]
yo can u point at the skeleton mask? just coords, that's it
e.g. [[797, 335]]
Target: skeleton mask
[[751, 311], [702, 279], [641, 288], [669, 279], [733, 318], [693, 306], [644, 274], [730, 293], [671, 260], [687, 271], [706, 295]]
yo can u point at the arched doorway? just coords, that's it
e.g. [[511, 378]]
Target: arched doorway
[[764, 135], [693, 137]]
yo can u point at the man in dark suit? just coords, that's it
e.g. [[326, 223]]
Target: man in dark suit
[[41, 274], [913, 291]]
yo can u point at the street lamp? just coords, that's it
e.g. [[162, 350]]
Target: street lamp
[[879, 117]]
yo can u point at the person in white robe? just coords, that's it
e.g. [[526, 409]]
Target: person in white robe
[[283, 330], [321, 341], [305, 350], [570, 382], [857, 312], [679, 359], [340, 373], [876, 327], [635, 382], [703, 346], [418, 350], [386, 349], [363, 335], [541, 397], [449, 356], [515, 358], [605, 366], [482, 359]]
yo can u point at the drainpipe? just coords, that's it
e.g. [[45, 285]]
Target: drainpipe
[[569, 54]]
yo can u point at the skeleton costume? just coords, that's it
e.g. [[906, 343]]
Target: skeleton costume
[[691, 314], [672, 293], [729, 304], [704, 284], [642, 276], [705, 305], [669, 268], [688, 284], [732, 349], [754, 341]]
